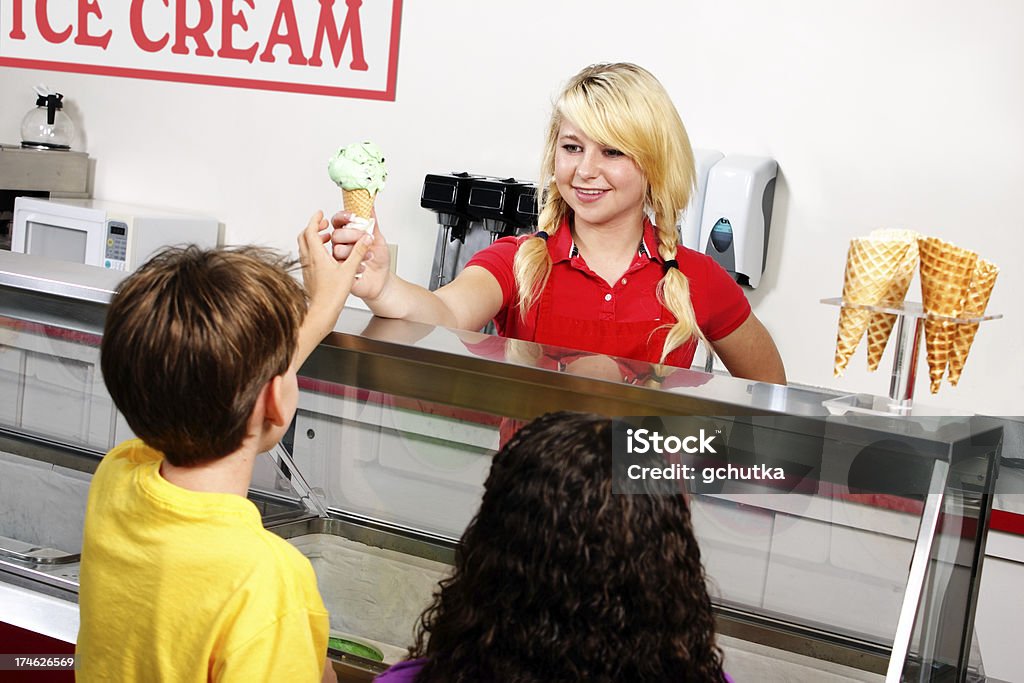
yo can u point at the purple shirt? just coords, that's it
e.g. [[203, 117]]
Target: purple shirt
[[406, 672], [403, 672]]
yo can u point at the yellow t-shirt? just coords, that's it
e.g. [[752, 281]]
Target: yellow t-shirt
[[184, 586]]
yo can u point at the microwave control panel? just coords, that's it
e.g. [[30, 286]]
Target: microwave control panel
[[116, 248]]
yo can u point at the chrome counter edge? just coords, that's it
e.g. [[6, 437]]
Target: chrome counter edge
[[59, 278]]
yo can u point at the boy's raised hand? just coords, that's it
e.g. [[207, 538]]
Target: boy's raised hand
[[322, 273], [327, 281]]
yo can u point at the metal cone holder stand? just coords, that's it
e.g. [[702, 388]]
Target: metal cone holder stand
[[909, 335]]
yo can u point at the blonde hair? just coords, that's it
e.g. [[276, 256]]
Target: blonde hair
[[625, 107]]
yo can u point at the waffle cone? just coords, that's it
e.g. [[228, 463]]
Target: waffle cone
[[359, 202], [978, 293], [870, 266], [880, 324], [946, 272]]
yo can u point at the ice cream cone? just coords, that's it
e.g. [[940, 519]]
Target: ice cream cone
[[946, 271], [359, 202], [870, 267], [358, 169], [978, 293], [880, 324]]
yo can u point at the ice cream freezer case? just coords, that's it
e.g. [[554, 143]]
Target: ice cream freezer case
[[868, 556]]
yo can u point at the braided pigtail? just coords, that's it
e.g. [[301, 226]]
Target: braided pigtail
[[674, 294], [532, 264]]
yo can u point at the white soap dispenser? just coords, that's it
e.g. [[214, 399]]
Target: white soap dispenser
[[689, 224], [737, 215]]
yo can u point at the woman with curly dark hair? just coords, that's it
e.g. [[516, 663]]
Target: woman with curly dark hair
[[559, 579]]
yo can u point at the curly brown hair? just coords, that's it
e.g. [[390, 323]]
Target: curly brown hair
[[557, 579]]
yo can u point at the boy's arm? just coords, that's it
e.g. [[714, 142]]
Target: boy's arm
[[327, 281]]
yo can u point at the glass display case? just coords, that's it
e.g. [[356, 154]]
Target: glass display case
[[865, 557]]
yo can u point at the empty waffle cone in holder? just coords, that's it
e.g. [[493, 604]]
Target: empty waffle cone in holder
[[880, 324], [946, 272], [983, 281], [911, 322], [871, 266]]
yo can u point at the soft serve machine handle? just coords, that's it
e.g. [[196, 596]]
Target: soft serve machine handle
[[504, 206], [446, 195]]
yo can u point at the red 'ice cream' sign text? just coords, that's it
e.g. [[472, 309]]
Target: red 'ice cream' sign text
[[347, 48]]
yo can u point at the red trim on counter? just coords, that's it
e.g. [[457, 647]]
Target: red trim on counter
[[1007, 522], [52, 332], [420, 406]]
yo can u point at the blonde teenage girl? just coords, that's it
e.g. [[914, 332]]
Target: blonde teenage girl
[[605, 272]]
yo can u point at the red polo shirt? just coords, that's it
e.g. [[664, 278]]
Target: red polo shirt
[[622, 319]]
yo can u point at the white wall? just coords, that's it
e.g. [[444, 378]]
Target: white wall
[[880, 114]]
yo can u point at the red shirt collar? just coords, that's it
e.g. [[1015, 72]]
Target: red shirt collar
[[562, 247]]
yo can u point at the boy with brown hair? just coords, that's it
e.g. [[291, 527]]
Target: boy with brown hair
[[179, 579]]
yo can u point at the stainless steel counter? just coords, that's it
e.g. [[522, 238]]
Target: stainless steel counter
[[397, 422]]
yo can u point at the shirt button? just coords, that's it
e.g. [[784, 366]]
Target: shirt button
[[607, 297], [623, 280]]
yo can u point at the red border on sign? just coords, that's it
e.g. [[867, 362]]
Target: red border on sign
[[387, 95]]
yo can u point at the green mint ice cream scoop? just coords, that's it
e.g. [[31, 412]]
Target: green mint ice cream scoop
[[353, 648], [359, 166]]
